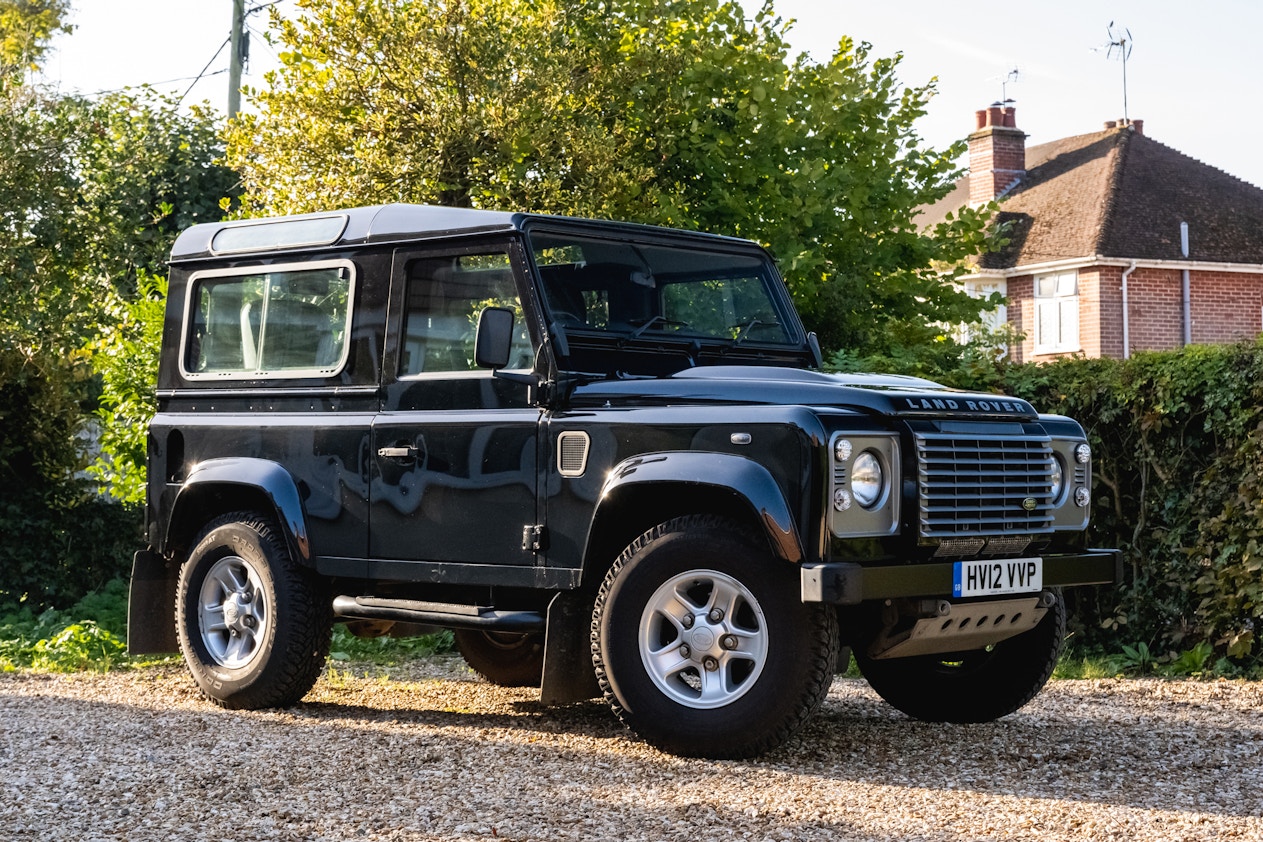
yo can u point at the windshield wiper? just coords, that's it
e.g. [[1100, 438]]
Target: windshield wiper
[[655, 321], [744, 329]]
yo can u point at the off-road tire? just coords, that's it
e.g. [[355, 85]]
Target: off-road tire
[[746, 716], [290, 607], [506, 659], [977, 686]]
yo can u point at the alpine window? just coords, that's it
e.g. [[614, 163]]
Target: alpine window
[[269, 322]]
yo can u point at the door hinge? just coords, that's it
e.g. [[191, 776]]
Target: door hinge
[[534, 537]]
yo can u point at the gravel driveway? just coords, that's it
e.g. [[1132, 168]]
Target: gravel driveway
[[438, 754]]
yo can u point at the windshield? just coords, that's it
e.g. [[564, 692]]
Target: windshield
[[714, 302]]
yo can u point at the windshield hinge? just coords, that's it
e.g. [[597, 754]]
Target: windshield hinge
[[534, 537]]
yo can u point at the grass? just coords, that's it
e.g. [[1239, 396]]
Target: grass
[[90, 636]]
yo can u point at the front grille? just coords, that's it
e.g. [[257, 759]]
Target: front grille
[[983, 485]]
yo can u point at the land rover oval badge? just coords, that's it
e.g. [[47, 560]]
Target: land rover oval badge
[[1029, 504]]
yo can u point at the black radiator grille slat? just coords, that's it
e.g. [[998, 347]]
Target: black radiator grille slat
[[983, 486]]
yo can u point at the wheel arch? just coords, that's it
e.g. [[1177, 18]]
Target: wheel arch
[[219, 486], [649, 489]]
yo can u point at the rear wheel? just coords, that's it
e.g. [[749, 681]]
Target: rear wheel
[[702, 644], [507, 659], [254, 627], [975, 686]]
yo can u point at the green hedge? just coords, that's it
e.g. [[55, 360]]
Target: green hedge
[[58, 539], [54, 553], [1177, 442], [1177, 439]]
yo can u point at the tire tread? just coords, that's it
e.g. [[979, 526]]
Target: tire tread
[[823, 634], [309, 622]]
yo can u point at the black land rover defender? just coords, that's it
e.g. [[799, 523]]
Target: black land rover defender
[[605, 456]]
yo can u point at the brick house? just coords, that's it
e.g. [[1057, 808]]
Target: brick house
[[1117, 242]]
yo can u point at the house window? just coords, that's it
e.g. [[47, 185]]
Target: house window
[[1057, 313], [990, 322]]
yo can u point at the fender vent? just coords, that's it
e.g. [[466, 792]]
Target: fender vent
[[572, 453]]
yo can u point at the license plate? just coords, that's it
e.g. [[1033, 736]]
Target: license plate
[[991, 578]]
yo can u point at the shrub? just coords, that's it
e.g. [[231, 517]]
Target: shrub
[[1177, 442]]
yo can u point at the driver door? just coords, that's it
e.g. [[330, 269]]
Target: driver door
[[455, 449]]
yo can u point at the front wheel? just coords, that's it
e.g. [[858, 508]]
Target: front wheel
[[975, 686], [702, 644], [254, 627]]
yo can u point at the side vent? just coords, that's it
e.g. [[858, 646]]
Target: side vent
[[572, 453]]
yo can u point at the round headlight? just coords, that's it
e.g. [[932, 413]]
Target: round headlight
[[1058, 480], [867, 481], [1082, 454]]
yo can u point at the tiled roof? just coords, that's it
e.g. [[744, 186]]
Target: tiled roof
[[1116, 193]]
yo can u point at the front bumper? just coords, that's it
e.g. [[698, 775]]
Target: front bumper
[[846, 583]]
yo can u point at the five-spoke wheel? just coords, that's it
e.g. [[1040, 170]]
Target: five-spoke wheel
[[702, 644], [703, 639], [254, 627]]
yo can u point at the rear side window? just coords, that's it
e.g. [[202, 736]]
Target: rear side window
[[284, 322]]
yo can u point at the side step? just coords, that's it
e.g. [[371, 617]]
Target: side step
[[448, 615]]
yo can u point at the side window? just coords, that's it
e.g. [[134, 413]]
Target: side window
[[269, 324], [445, 296]]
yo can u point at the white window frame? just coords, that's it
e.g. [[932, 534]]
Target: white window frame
[[248, 349], [990, 320], [1056, 301]]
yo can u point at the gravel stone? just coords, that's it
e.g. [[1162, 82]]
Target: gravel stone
[[431, 752]]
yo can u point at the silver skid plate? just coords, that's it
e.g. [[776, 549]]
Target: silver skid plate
[[963, 627]]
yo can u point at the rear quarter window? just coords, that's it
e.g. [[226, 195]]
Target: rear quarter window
[[268, 322]]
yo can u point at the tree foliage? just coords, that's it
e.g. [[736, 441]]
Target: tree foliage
[[92, 193], [681, 113], [26, 26], [126, 359]]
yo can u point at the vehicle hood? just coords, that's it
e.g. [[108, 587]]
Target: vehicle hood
[[882, 394]]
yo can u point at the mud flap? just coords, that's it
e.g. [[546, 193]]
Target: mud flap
[[151, 606], [568, 672]]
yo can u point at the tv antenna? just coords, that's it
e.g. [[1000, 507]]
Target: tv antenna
[[1120, 45], [1012, 77]]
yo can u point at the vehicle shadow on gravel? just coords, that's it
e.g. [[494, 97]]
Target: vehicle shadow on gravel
[[1084, 748], [1048, 750], [464, 759]]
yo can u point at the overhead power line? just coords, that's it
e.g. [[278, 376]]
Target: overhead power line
[[199, 76]]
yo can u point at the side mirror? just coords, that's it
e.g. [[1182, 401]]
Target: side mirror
[[494, 338], [813, 345]]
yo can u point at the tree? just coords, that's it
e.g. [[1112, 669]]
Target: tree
[[681, 113], [92, 194], [26, 26]]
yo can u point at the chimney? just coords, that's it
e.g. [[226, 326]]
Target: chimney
[[997, 154], [1137, 126]]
